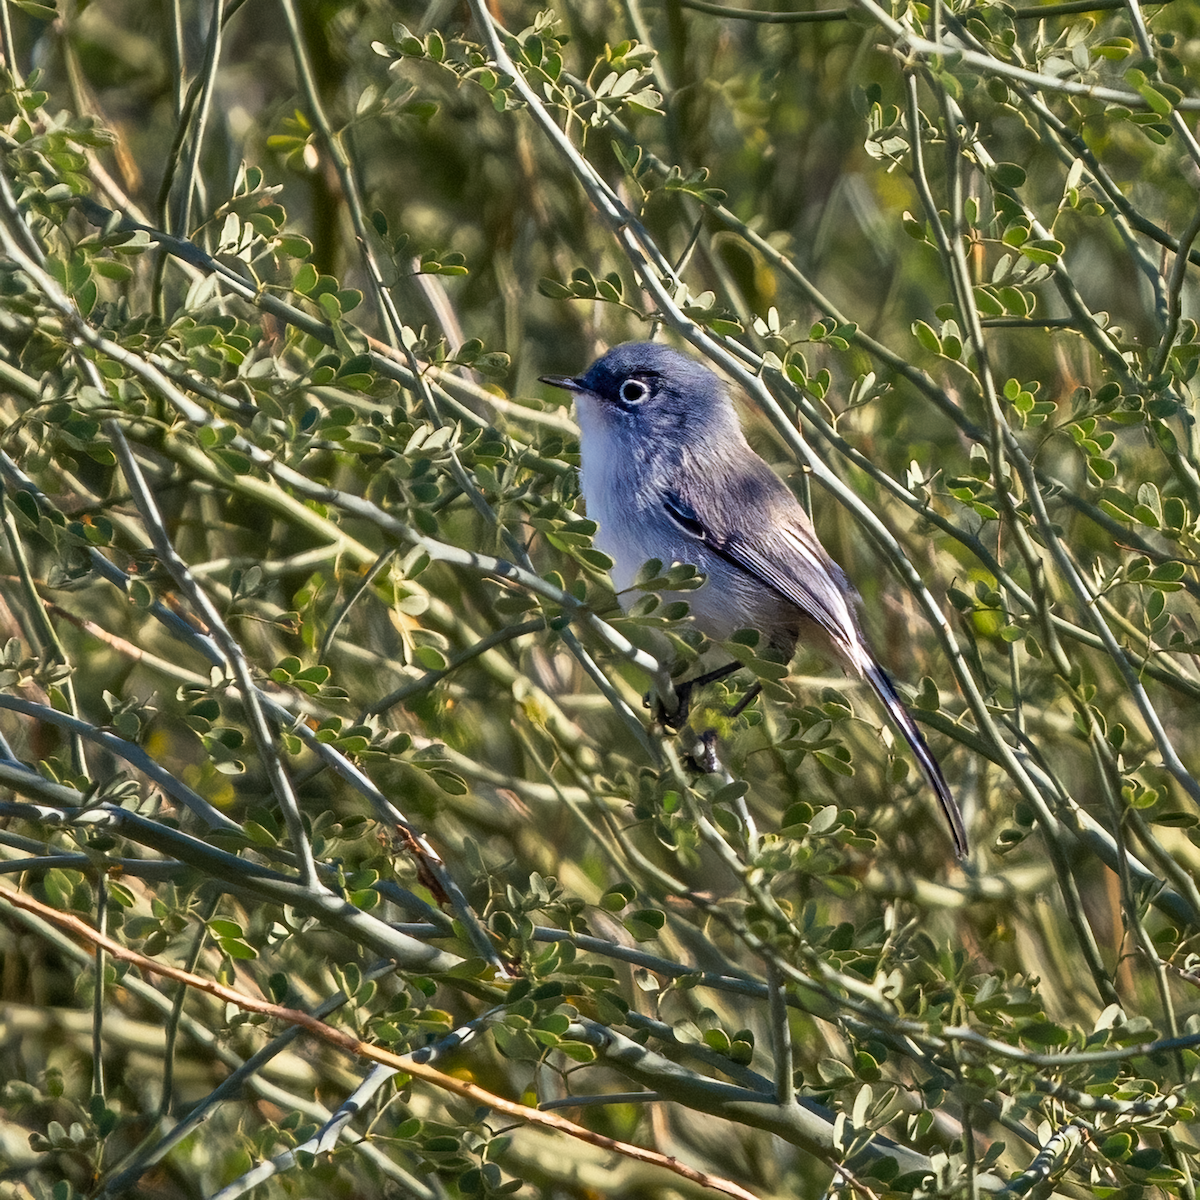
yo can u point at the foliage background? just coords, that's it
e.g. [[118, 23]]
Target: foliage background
[[314, 687]]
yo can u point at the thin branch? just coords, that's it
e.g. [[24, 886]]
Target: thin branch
[[908, 42], [264, 736], [408, 1064]]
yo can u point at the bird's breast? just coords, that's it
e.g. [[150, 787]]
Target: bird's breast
[[634, 527], [625, 482]]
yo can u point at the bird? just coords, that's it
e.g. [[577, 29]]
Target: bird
[[666, 473]]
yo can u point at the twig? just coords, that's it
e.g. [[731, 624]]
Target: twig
[[264, 737], [407, 1063]]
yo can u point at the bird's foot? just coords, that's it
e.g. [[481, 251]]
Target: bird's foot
[[703, 757], [675, 721]]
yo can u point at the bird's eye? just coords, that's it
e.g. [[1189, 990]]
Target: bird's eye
[[634, 391]]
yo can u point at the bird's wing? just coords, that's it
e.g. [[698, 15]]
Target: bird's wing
[[783, 553]]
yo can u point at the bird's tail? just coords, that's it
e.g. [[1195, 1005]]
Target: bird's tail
[[877, 677]]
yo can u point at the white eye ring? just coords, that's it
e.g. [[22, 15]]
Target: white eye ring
[[633, 391]]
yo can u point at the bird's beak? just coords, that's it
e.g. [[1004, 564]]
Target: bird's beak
[[562, 381]]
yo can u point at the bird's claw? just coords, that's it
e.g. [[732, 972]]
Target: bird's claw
[[703, 757], [677, 718]]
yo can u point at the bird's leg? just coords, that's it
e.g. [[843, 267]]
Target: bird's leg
[[683, 692], [704, 757], [741, 706]]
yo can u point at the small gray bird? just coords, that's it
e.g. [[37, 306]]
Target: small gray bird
[[668, 474]]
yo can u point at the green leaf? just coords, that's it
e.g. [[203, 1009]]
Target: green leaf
[[449, 782], [305, 279], [924, 334], [237, 948], [1155, 100], [294, 245], [1009, 175]]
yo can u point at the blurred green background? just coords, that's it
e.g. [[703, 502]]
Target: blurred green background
[[277, 282]]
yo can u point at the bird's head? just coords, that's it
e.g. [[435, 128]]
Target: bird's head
[[653, 392]]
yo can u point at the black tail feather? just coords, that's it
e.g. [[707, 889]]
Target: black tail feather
[[886, 690]]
